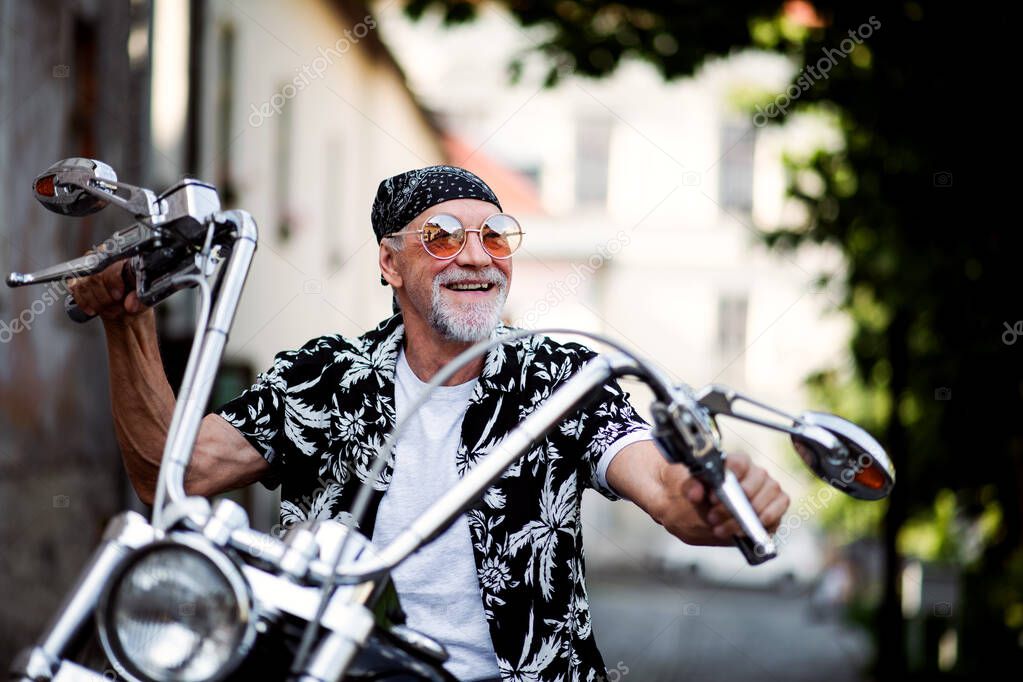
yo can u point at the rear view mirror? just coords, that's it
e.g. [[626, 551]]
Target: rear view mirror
[[843, 455], [75, 186]]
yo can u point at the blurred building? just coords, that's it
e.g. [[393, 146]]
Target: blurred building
[[294, 110], [643, 223], [68, 87], [304, 110], [299, 110]]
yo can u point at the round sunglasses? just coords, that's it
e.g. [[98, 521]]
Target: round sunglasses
[[443, 236]]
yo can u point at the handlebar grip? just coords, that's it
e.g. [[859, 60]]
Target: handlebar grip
[[74, 312], [78, 315], [756, 545], [755, 554]]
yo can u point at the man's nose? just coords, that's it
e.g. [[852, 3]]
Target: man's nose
[[474, 255]]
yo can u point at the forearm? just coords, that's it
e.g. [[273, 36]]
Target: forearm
[[141, 398], [143, 406], [640, 474]]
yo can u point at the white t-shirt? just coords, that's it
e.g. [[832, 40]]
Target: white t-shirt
[[438, 585]]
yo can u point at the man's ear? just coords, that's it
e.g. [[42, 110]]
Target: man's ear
[[389, 266]]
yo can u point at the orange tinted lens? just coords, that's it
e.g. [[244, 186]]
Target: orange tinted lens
[[501, 235], [443, 235]]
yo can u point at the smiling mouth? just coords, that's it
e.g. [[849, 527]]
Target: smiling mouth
[[469, 286]]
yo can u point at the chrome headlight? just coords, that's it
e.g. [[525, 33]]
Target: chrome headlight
[[176, 610]]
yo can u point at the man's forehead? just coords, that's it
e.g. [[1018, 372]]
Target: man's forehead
[[466, 210]]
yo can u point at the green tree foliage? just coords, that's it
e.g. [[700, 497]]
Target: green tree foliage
[[933, 292]]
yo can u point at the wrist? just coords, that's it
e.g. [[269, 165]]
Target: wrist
[[130, 323], [131, 332]]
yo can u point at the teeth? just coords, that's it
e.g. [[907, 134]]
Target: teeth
[[468, 287]]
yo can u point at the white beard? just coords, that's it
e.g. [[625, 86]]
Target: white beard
[[469, 322]]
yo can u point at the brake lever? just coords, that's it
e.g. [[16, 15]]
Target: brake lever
[[136, 277], [685, 433], [122, 244]]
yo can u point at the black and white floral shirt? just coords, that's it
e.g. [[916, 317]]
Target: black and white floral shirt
[[320, 413]]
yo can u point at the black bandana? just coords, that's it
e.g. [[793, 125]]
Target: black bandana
[[402, 197]]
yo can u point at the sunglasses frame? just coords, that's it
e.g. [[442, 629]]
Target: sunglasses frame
[[466, 230]]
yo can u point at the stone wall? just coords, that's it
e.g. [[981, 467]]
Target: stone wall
[[67, 88]]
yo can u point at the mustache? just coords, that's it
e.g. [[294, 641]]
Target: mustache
[[489, 275]]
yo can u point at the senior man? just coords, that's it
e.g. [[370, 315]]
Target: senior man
[[504, 587]]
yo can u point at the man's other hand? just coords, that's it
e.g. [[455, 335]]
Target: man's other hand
[[103, 294], [765, 494]]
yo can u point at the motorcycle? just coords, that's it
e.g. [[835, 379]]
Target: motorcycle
[[194, 593]]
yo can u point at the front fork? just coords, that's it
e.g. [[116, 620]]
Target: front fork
[[125, 532]]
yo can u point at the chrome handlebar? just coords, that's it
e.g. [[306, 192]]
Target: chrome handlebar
[[164, 244]]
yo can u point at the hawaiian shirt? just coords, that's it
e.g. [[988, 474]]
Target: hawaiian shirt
[[320, 413]]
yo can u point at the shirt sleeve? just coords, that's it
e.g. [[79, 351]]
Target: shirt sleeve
[[605, 460], [597, 428], [258, 414], [285, 411]]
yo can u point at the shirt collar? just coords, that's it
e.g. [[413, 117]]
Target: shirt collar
[[501, 368]]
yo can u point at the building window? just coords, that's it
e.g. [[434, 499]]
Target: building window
[[224, 114], [282, 179], [531, 172], [731, 334], [333, 202], [735, 178], [592, 151]]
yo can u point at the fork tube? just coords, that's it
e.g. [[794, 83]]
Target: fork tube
[[202, 369], [124, 532]]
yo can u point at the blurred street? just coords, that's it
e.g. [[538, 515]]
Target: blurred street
[[659, 633]]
